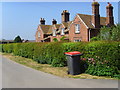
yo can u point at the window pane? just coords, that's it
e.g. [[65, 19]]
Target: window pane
[[38, 34], [77, 28], [62, 31], [54, 33]]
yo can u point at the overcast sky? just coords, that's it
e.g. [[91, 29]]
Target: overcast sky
[[22, 18]]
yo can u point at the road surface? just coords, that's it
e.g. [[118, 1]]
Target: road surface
[[15, 75]]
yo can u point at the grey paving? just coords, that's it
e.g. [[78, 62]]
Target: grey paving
[[15, 75]]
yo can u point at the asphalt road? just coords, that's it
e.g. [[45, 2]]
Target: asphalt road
[[15, 75]]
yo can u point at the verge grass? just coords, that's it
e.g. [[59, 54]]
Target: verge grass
[[58, 71]]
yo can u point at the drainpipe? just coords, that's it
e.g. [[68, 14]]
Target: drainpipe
[[89, 34]]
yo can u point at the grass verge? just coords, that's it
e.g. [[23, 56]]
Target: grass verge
[[58, 71]]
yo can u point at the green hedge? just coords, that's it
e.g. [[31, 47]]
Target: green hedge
[[102, 57], [0, 47]]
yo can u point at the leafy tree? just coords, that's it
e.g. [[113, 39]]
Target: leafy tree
[[108, 33], [116, 33], [17, 39], [105, 33]]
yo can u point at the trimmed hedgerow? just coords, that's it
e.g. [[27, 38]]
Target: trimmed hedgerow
[[8, 48], [103, 58], [0, 47], [99, 58]]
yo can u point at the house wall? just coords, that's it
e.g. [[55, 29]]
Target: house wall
[[58, 36], [38, 39], [83, 35]]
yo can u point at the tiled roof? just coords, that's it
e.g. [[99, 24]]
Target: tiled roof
[[66, 24], [57, 26], [45, 28], [50, 30], [103, 21], [87, 19]]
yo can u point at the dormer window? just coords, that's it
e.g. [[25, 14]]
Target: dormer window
[[54, 32], [62, 31], [38, 34], [77, 28]]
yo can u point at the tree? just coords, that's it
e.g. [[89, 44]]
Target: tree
[[108, 33], [116, 33], [17, 39], [105, 33]]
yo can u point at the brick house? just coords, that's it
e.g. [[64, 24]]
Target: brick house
[[81, 28]]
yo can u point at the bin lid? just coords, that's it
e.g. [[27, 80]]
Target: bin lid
[[73, 53]]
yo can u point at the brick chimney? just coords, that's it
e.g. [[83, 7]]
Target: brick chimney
[[54, 22], [65, 16], [109, 17], [42, 21], [96, 15]]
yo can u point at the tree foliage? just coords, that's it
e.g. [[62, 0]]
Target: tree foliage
[[17, 39], [116, 33], [108, 33]]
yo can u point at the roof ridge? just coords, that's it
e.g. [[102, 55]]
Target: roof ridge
[[83, 14], [90, 15]]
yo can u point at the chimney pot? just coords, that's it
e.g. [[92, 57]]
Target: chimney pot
[[42, 21], [54, 22]]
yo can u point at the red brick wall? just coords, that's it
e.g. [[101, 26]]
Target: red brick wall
[[83, 35], [38, 39]]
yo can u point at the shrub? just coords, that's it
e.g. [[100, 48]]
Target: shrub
[[52, 53], [63, 38], [16, 50], [55, 40], [26, 50], [1, 48], [8, 48], [102, 57], [95, 38]]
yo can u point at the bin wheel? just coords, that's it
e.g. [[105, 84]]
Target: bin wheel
[[68, 72]]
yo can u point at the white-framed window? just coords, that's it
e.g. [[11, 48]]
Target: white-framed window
[[54, 32], [77, 40], [77, 28], [62, 31], [38, 34]]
